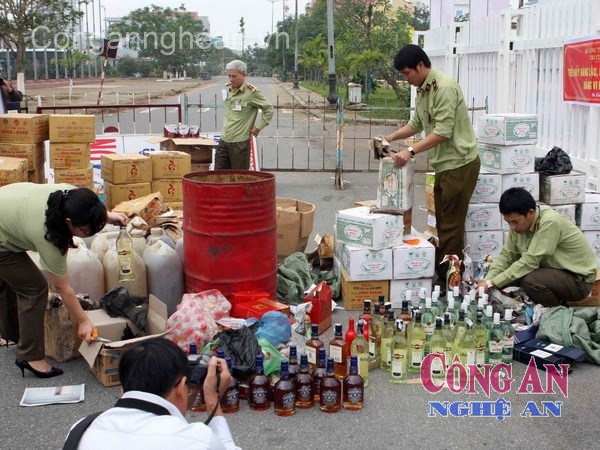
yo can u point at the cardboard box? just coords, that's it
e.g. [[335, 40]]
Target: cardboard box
[[320, 296], [24, 128], [76, 177], [13, 170], [413, 260], [148, 207], [295, 220], [170, 164], [256, 308], [69, 155], [103, 358], [355, 292], [406, 215], [35, 154], [488, 188], [360, 227], [37, 176], [119, 193], [364, 264], [563, 189], [507, 159], [593, 237], [483, 217], [529, 181], [483, 243], [72, 128], [200, 149], [587, 214], [399, 290], [431, 224], [507, 129], [170, 188], [246, 296], [546, 353], [395, 189], [126, 168], [61, 339]]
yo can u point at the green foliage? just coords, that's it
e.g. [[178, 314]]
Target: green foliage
[[72, 60], [130, 67]]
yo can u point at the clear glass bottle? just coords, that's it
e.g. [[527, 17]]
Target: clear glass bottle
[[319, 373], [304, 385], [360, 348], [467, 350], [405, 315], [459, 328], [398, 371], [259, 387], [448, 333], [480, 333], [495, 341], [451, 309], [293, 362], [437, 344], [312, 346], [338, 350], [386, 342], [428, 321], [375, 331], [331, 390], [284, 394], [353, 387], [416, 350], [230, 400], [125, 255], [508, 342]]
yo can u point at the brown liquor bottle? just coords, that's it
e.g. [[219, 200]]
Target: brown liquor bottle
[[312, 347], [338, 350], [353, 387], [284, 395], [230, 401], [303, 382], [331, 390], [319, 374], [259, 387]]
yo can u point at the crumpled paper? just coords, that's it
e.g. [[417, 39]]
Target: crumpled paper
[[380, 147]]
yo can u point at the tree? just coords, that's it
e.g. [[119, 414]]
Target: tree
[[313, 56], [171, 37], [243, 33], [34, 23], [421, 17]]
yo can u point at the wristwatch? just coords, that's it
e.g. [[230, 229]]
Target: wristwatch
[[489, 284], [411, 151]]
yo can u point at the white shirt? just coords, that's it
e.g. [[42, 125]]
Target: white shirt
[[127, 428]]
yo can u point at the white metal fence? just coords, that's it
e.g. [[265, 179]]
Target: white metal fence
[[516, 61]]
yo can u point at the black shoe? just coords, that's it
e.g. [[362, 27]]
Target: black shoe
[[25, 365]]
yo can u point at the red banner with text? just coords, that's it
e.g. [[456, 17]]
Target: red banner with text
[[581, 76]]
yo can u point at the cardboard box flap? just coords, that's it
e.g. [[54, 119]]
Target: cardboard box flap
[[90, 351], [183, 141], [156, 322], [291, 206]]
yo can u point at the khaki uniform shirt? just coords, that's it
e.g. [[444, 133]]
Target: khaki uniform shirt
[[241, 109]]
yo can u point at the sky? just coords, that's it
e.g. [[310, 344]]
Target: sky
[[224, 15]]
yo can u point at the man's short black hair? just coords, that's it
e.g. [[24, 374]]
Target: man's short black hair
[[154, 365], [410, 56], [516, 200]]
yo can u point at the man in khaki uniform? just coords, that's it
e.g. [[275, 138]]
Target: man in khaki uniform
[[242, 102]]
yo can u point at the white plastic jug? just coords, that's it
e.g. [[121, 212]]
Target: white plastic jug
[[179, 248], [157, 233], [102, 241], [165, 274], [86, 272], [139, 240], [111, 273]]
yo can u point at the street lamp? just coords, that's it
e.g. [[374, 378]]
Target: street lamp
[[296, 47], [332, 97], [272, 14]]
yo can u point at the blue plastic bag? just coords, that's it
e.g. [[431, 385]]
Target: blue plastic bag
[[274, 327]]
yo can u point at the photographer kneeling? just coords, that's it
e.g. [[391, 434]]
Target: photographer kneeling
[[150, 414]]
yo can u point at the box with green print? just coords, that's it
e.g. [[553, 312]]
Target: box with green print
[[359, 227]]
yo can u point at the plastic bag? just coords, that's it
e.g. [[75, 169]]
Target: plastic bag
[[556, 162], [272, 357], [242, 347], [275, 327]]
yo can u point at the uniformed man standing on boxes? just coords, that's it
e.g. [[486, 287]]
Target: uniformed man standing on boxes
[[242, 102]]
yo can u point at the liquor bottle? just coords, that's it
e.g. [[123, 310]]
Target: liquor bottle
[[319, 373], [304, 385], [375, 332], [353, 387], [451, 309], [437, 344], [466, 348], [398, 371], [495, 341], [331, 390], [508, 342], [386, 342], [441, 300], [381, 302], [220, 353], [387, 308], [366, 314], [416, 349], [259, 387], [422, 298], [350, 332], [428, 321], [435, 307], [480, 333], [338, 350], [408, 296], [230, 400], [458, 298], [488, 318], [360, 348], [313, 345], [405, 315], [284, 394], [125, 255], [293, 362], [448, 333], [459, 328]]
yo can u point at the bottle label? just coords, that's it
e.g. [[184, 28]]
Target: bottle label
[[398, 366], [429, 328], [508, 342], [259, 395], [336, 353], [417, 347], [480, 358], [329, 397], [372, 347], [470, 357], [311, 354], [495, 347], [355, 395], [436, 365], [232, 397], [288, 400], [304, 392]]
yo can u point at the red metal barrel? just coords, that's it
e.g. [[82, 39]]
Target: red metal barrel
[[230, 231]]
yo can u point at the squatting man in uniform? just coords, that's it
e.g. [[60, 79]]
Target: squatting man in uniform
[[242, 102]]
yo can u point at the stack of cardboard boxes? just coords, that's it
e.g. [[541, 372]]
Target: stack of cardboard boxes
[[126, 177], [199, 149], [22, 154], [70, 138], [168, 169], [588, 220]]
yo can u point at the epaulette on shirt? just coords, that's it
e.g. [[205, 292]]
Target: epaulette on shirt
[[252, 88]]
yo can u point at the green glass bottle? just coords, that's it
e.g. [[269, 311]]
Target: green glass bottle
[[428, 321], [437, 344], [480, 333], [495, 341], [466, 348], [459, 328], [360, 348], [386, 342], [508, 342], [398, 370], [448, 333], [416, 350]]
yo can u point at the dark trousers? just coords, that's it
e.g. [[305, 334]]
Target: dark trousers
[[232, 155], [452, 193], [554, 287], [23, 300]]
